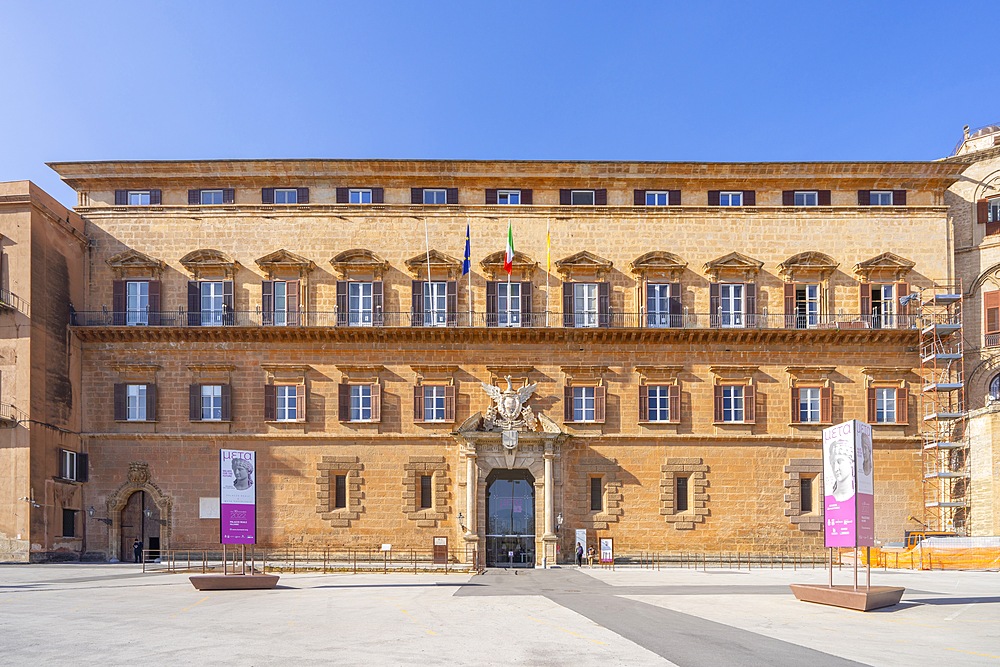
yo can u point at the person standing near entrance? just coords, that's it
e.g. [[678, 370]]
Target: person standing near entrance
[[137, 550], [579, 555]]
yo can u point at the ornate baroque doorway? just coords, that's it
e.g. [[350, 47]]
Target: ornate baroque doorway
[[510, 519]]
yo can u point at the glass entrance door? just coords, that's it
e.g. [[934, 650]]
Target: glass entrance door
[[510, 519]]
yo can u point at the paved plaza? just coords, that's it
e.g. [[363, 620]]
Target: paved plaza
[[116, 615]]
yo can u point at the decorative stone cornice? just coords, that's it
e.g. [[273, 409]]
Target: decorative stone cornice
[[210, 263], [438, 262], [659, 263], [584, 263], [284, 260], [132, 263], [811, 264], [734, 264], [524, 266], [358, 262], [887, 266]]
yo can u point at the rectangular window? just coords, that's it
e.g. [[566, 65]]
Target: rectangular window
[[286, 196], [806, 306], [138, 198], [340, 492], [509, 304], [730, 199], [993, 210], [658, 398], [731, 305], [361, 402], [880, 198], [359, 304], [732, 403], [584, 404], [280, 303], [806, 495], [806, 198], [359, 196], [69, 523], [883, 306], [136, 403], [435, 303], [681, 494], [434, 402], [885, 405], [509, 197], [585, 305], [658, 298], [809, 405], [435, 196], [211, 303], [67, 464], [657, 198], [426, 490], [137, 302], [596, 494], [211, 196], [211, 402], [581, 197], [286, 402]]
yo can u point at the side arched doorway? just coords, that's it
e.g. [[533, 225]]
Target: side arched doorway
[[510, 519], [140, 519]]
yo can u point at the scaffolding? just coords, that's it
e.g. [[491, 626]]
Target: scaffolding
[[944, 411]]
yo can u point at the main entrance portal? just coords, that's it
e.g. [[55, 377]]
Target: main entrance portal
[[510, 519]]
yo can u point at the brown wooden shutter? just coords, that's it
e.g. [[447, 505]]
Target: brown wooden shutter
[[342, 303], [377, 303], [418, 403], [194, 303], [267, 302], [82, 467], [983, 211], [302, 195], [194, 197], [788, 197], [569, 319], [674, 403], [714, 304], [451, 302], [267, 195], [638, 197], [492, 303], [227, 402], [749, 198], [151, 402], [270, 403], [121, 197], [228, 196], [526, 198], [600, 404], [120, 402], [864, 197], [713, 197], [154, 302], [300, 402], [717, 391], [789, 305], [344, 402], [872, 405], [865, 290], [604, 304], [194, 403], [902, 406], [449, 403], [826, 405], [293, 290], [416, 195], [344, 195], [228, 309], [676, 305], [991, 306], [568, 404], [417, 310], [899, 197], [901, 290], [796, 414], [526, 298], [749, 404], [565, 197], [751, 303], [674, 197], [451, 195], [823, 197], [491, 196], [155, 197], [119, 303], [643, 403], [378, 195], [376, 402]]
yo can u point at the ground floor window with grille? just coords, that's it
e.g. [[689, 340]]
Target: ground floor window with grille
[[340, 491], [681, 493], [426, 491], [596, 494], [69, 523]]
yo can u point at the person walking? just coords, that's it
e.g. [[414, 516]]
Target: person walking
[[579, 555], [137, 550]]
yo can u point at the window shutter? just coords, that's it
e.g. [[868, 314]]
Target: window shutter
[[491, 196], [983, 211], [902, 289], [826, 405], [600, 197], [300, 402], [751, 302], [872, 407], [796, 415], [344, 402], [151, 402], [902, 406], [302, 195], [378, 195], [293, 290], [823, 197], [568, 404], [418, 403], [451, 302], [643, 403], [676, 305], [565, 197], [118, 303], [718, 403], [899, 197], [526, 316], [749, 404], [713, 197], [600, 404], [121, 197], [526, 198], [376, 402], [569, 319], [790, 314], [638, 197], [194, 303], [451, 195], [674, 197], [227, 402], [267, 195], [270, 403], [604, 304], [991, 304], [449, 403], [155, 197], [82, 469], [343, 195], [864, 197], [154, 302], [342, 304], [866, 300], [714, 305], [194, 403], [749, 198], [417, 310], [267, 302], [377, 303], [674, 403], [788, 197], [228, 311], [416, 195], [194, 197], [492, 303], [121, 404], [228, 196]]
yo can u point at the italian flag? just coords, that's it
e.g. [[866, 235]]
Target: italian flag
[[508, 258]]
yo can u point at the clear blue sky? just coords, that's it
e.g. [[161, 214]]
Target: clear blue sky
[[694, 80]]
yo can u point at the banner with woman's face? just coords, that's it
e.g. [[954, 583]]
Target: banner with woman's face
[[848, 485], [238, 496]]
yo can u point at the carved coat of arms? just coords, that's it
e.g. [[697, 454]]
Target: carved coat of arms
[[509, 412]]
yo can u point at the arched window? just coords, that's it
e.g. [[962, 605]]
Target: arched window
[[995, 388]]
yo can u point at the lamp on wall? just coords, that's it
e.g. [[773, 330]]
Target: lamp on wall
[[559, 521], [149, 515], [461, 519], [91, 511]]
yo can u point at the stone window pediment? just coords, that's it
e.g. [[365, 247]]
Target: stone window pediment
[[888, 267], [284, 262], [735, 265], [807, 266], [524, 266], [584, 264], [659, 264], [360, 263], [134, 264], [208, 263], [439, 263]]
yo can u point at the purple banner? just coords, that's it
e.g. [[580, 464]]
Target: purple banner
[[237, 496], [848, 495], [239, 524]]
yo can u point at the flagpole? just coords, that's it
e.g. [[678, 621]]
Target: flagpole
[[509, 236], [548, 267], [427, 248], [468, 242]]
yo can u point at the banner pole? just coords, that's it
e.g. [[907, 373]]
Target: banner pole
[[548, 268], [468, 226]]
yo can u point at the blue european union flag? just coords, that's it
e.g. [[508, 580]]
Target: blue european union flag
[[467, 264]]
